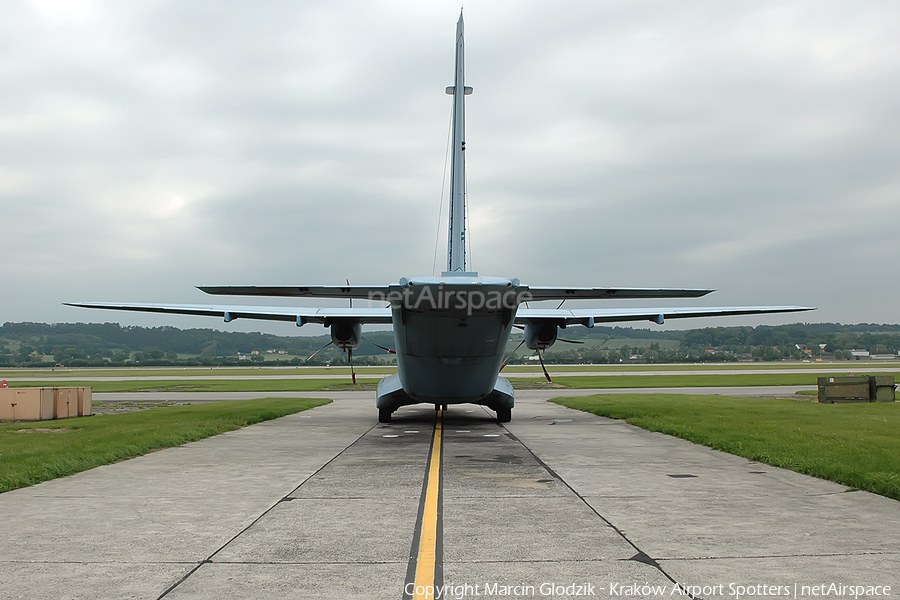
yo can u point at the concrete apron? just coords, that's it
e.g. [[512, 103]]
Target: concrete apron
[[323, 504]]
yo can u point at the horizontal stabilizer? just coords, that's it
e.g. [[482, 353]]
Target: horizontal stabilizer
[[295, 314], [588, 293], [361, 292]]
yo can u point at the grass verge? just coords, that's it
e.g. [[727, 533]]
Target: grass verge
[[692, 380], [852, 444], [201, 385], [34, 452], [318, 385]]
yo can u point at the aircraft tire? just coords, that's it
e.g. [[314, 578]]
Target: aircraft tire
[[504, 415], [384, 415]]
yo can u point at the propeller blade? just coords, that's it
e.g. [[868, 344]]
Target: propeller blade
[[546, 374], [350, 360], [388, 350], [511, 354], [319, 350], [559, 339]]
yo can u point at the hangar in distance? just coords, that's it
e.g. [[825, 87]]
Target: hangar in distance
[[450, 332]]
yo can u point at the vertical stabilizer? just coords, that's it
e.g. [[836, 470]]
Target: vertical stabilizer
[[456, 250]]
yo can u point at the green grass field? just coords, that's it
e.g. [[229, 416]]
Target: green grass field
[[201, 385], [342, 381], [688, 380], [312, 385], [841, 368], [856, 445], [34, 452]]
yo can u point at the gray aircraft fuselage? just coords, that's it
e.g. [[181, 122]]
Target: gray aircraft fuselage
[[451, 334]]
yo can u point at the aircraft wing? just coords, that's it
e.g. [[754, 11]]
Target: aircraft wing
[[592, 293], [590, 316], [297, 315]]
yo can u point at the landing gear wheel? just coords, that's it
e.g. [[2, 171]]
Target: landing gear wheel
[[443, 407], [384, 415], [504, 415]]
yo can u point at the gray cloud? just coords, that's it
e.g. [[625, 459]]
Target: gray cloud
[[147, 147]]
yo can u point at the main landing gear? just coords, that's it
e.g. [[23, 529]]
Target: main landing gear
[[504, 415]]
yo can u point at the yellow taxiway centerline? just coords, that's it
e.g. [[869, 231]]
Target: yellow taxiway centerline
[[427, 556]]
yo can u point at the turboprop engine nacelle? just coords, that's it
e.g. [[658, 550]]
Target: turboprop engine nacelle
[[540, 335], [346, 334]]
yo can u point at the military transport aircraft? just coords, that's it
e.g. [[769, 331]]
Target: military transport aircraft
[[450, 332]]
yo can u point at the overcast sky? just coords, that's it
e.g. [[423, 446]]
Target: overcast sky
[[151, 146]]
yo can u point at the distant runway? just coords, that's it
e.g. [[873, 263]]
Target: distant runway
[[256, 375], [325, 504]]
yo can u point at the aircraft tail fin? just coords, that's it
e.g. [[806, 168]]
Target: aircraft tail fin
[[456, 246]]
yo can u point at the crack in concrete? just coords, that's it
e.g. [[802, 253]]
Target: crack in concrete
[[209, 559], [640, 555], [763, 556], [308, 562]]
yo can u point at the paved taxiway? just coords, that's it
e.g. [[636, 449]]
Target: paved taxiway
[[323, 504]]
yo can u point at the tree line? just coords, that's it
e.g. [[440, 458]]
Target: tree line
[[799, 341], [110, 344]]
